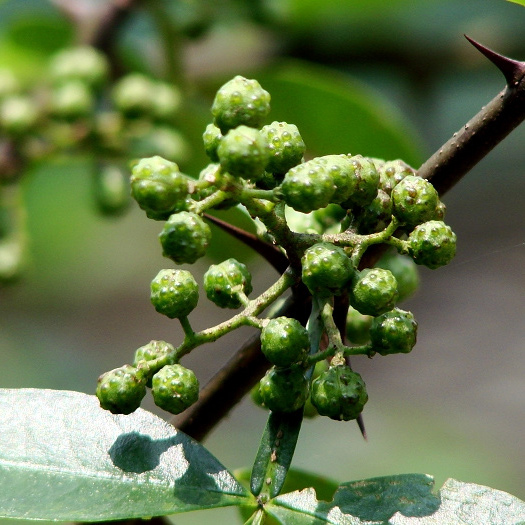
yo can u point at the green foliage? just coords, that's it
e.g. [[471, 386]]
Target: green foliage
[[91, 463]]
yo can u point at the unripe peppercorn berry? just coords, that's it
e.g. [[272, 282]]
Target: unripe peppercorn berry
[[392, 172], [358, 326], [167, 100], [284, 341], [284, 389], [366, 182], [243, 152], [158, 187], [185, 237], [120, 390], [405, 271], [174, 293], [175, 388], [393, 332], [414, 200], [111, 189], [212, 138], [374, 292], [342, 173], [240, 102], [432, 244], [326, 269], [339, 393], [308, 187], [18, 115], [223, 281], [286, 146], [150, 352]]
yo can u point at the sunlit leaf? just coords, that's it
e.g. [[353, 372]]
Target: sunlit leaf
[[64, 458], [405, 499], [520, 2]]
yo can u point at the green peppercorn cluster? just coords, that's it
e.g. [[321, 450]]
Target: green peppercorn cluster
[[322, 214]]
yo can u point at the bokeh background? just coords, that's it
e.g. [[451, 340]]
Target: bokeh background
[[452, 408]]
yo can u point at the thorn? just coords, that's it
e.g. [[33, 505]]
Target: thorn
[[271, 253], [361, 424], [512, 70]]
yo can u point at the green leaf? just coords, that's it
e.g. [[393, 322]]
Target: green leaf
[[520, 2], [336, 114], [406, 499], [275, 452], [64, 458]]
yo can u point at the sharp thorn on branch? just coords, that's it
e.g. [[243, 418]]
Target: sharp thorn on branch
[[513, 70], [271, 253]]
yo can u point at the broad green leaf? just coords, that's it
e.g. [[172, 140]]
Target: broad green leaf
[[64, 458], [336, 114], [520, 2], [405, 499]]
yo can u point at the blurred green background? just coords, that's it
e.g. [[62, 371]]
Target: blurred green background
[[377, 77]]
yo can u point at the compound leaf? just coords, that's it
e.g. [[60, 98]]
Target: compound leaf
[[64, 458]]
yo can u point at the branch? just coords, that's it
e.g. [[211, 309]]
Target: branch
[[444, 169]]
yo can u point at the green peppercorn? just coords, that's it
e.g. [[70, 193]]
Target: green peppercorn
[[358, 326], [240, 102], [158, 187], [374, 291], [185, 237], [284, 341], [432, 244], [224, 281], [111, 189], [326, 269], [175, 388], [405, 271], [243, 152], [120, 390], [286, 146], [174, 293], [339, 393], [85, 64], [393, 332], [284, 389]]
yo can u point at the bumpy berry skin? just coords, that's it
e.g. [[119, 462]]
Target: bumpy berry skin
[[286, 146], [212, 138], [339, 393], [432, 244], [152, 350], [374, 292], [414, 201], [120, 390], [376, 216], [392, 172], [243, 152], [342, 173], [366, 182], [326, 269], [358, 326], [158, 187], [393, 332], [175, 388], [223, 281], [185, 237], [240, 102], [174, 293], [405, 271], [284, 341], [308, 187], [133, 95], [284, 389], [72, 100]]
